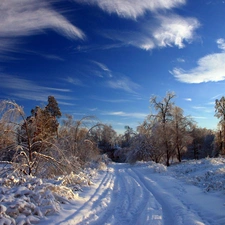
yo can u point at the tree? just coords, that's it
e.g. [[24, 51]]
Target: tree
[[202, 145], [46, 118], [42, 126], [52, 107], [108, 138], [220, 114], [76, 139], [35, 150], [7, 130], [127, 137], [152, 139], [139, 149], [163, 109], [181, 127]]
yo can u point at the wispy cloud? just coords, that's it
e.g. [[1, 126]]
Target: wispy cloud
[[174, 30], [115, 100], [217, 96], [199, 107], [110, 100], [103, 68], [74, 81], [90, 48], [66, 103], [93, 109], [162, 30], [124, 114], [168, 30], [203, 109], [210, 69], [200, 117], [124, 83], [29, 17], [141, 40], [133, 8], [26, 89], [51, 57], [188, 99], [180, 60]]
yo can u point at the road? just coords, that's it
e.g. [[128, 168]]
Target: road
[[134, 195]]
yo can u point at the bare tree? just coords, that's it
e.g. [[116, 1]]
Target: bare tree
[[151, 132], [74, 138], [220, 114], [163, 109], [181, 131]]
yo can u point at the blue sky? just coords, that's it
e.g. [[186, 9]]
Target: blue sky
[[108, 57]]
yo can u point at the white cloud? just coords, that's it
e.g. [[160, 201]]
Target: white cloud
[[203, 109], [102, 67], [180, 60], [124, 83], [221, 43], [52, 57], [124, 114], [74, 81], [200, 117], [141, 40], [174, 30], [133, 8], [188, 99], [110, 100], [210, 68], [28, 17], [217, 96], [168, 30], [90, 48], [26, 89]]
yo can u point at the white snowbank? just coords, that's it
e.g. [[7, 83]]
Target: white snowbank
[[26, 200], [92, 195], [206, 173]]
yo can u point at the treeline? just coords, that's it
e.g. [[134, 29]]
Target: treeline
[[38, 145], [169, 136]]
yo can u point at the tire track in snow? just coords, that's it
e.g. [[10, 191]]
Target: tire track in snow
[[135, 195], [86, 210], [102, 208], [141, 203], [128, 202], [175, 211]]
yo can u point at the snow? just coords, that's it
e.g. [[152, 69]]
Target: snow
[[189, 193]]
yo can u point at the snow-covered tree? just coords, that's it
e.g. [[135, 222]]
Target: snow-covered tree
[[35, 149], [163, 115], [181, 131], [76, 141], [220, 114]]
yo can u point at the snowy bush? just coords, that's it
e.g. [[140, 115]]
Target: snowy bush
[[27, 199], [206, 173]]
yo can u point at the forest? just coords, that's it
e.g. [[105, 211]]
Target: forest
[[46, 162], [43, 145]]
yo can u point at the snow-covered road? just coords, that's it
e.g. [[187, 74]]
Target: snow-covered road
[[125, 194]]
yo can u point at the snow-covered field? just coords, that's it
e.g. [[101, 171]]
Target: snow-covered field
[[192, 192]]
